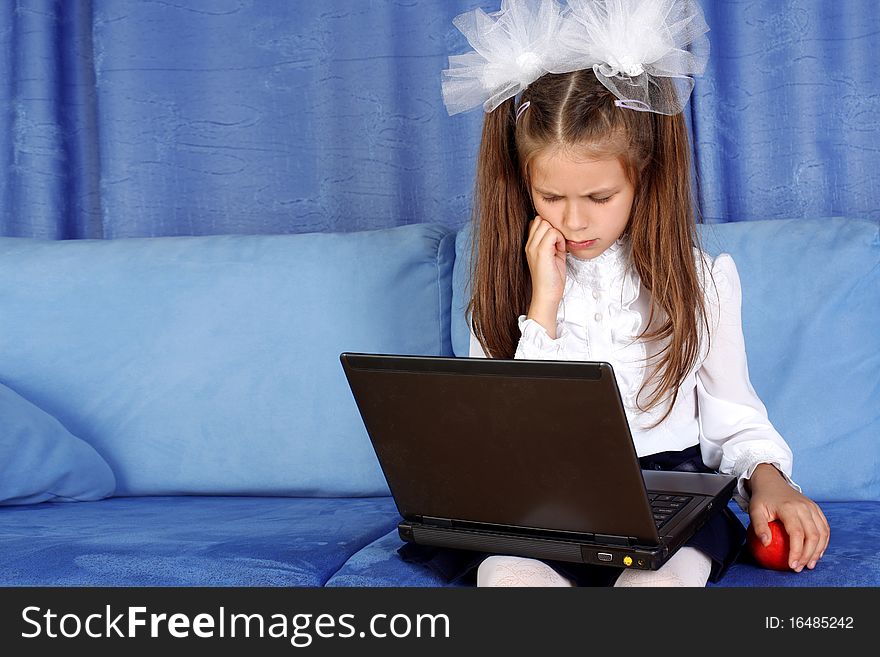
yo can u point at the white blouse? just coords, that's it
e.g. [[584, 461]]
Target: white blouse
[[602, 310]]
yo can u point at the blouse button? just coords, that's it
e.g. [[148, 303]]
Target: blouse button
[[595, 294], [598, 317]]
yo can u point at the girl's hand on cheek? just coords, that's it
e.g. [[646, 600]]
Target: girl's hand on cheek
[[545, 253]]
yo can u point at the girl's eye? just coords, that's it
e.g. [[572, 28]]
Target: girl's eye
[[553, 199]]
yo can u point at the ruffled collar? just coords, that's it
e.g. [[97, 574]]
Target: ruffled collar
[[616, 259]]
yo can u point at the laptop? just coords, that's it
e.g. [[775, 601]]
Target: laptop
[[523, 457]]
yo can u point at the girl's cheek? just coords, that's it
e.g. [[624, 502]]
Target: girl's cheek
[[555, 222], [550, 214]]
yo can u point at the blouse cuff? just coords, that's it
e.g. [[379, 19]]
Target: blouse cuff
[[535, 343], [741, 495]]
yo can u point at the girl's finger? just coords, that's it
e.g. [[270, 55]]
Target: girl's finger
[[537, 232], [533, 225], [549, 238], [791, 521], [824, 535], [812, 539], [760, 519], [560, 241], [827, 529]]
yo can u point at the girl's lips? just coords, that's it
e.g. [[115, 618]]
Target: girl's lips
[[580, 245]]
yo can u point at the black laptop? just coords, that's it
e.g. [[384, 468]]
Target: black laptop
[[523, 457]]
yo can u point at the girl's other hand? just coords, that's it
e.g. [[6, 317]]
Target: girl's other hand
[[807, 528], [545, 253]]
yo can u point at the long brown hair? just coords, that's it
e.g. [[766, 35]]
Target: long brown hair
[[575, 110]]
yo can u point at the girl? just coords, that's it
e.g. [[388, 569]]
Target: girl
[[586, 249]]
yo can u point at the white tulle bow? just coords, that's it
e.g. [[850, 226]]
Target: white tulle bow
[[513, 47], [629, 44]]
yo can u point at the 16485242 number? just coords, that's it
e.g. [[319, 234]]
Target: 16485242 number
[[821, 622]]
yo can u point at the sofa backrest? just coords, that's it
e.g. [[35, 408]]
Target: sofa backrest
[[811, 319], [210, 365]]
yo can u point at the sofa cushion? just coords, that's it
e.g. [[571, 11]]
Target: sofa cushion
[[42, 461], [211, 364], [811, 319], [855, 534], [187, 541], [461, 291], [378, 564]]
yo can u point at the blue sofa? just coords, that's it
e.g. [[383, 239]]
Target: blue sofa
[[174, 411]]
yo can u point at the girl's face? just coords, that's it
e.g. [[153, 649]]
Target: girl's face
[[587, 200]]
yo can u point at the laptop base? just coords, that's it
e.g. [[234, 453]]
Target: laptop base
[[640, 557]]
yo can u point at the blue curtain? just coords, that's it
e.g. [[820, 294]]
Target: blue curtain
[[786, 120], [126, 118]]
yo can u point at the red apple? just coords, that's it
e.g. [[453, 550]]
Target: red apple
[[774, 555]]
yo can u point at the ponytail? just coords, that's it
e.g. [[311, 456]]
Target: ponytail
[[502, 205], [663, 234]]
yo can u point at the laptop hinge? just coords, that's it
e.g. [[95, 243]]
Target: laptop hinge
[[604, 539], [437, 522], [612, 540]]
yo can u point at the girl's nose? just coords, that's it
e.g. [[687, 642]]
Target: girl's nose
[[574, 217]]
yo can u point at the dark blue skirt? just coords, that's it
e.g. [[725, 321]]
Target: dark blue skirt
[[721, 538]]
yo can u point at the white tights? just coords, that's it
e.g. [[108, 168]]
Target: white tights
[[687, 567]]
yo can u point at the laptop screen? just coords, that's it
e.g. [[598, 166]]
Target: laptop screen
[[534, 444]]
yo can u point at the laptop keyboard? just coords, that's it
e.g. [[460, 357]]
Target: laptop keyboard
[[665, 507]]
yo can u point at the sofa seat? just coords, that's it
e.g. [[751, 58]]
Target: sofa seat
[[188, 541], [276, 541], [848, 561]]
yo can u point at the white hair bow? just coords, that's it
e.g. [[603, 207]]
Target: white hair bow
[[629, 44]]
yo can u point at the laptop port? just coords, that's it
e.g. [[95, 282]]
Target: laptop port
[[604, 556]]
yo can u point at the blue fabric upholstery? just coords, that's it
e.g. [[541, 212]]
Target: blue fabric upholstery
[[187, 541], [850, 559], [269, 541], [811, 319], [210, 365], [461, 291], [42, 461]]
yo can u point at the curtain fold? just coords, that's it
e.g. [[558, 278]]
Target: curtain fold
[[48, 137], [126, 118]]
